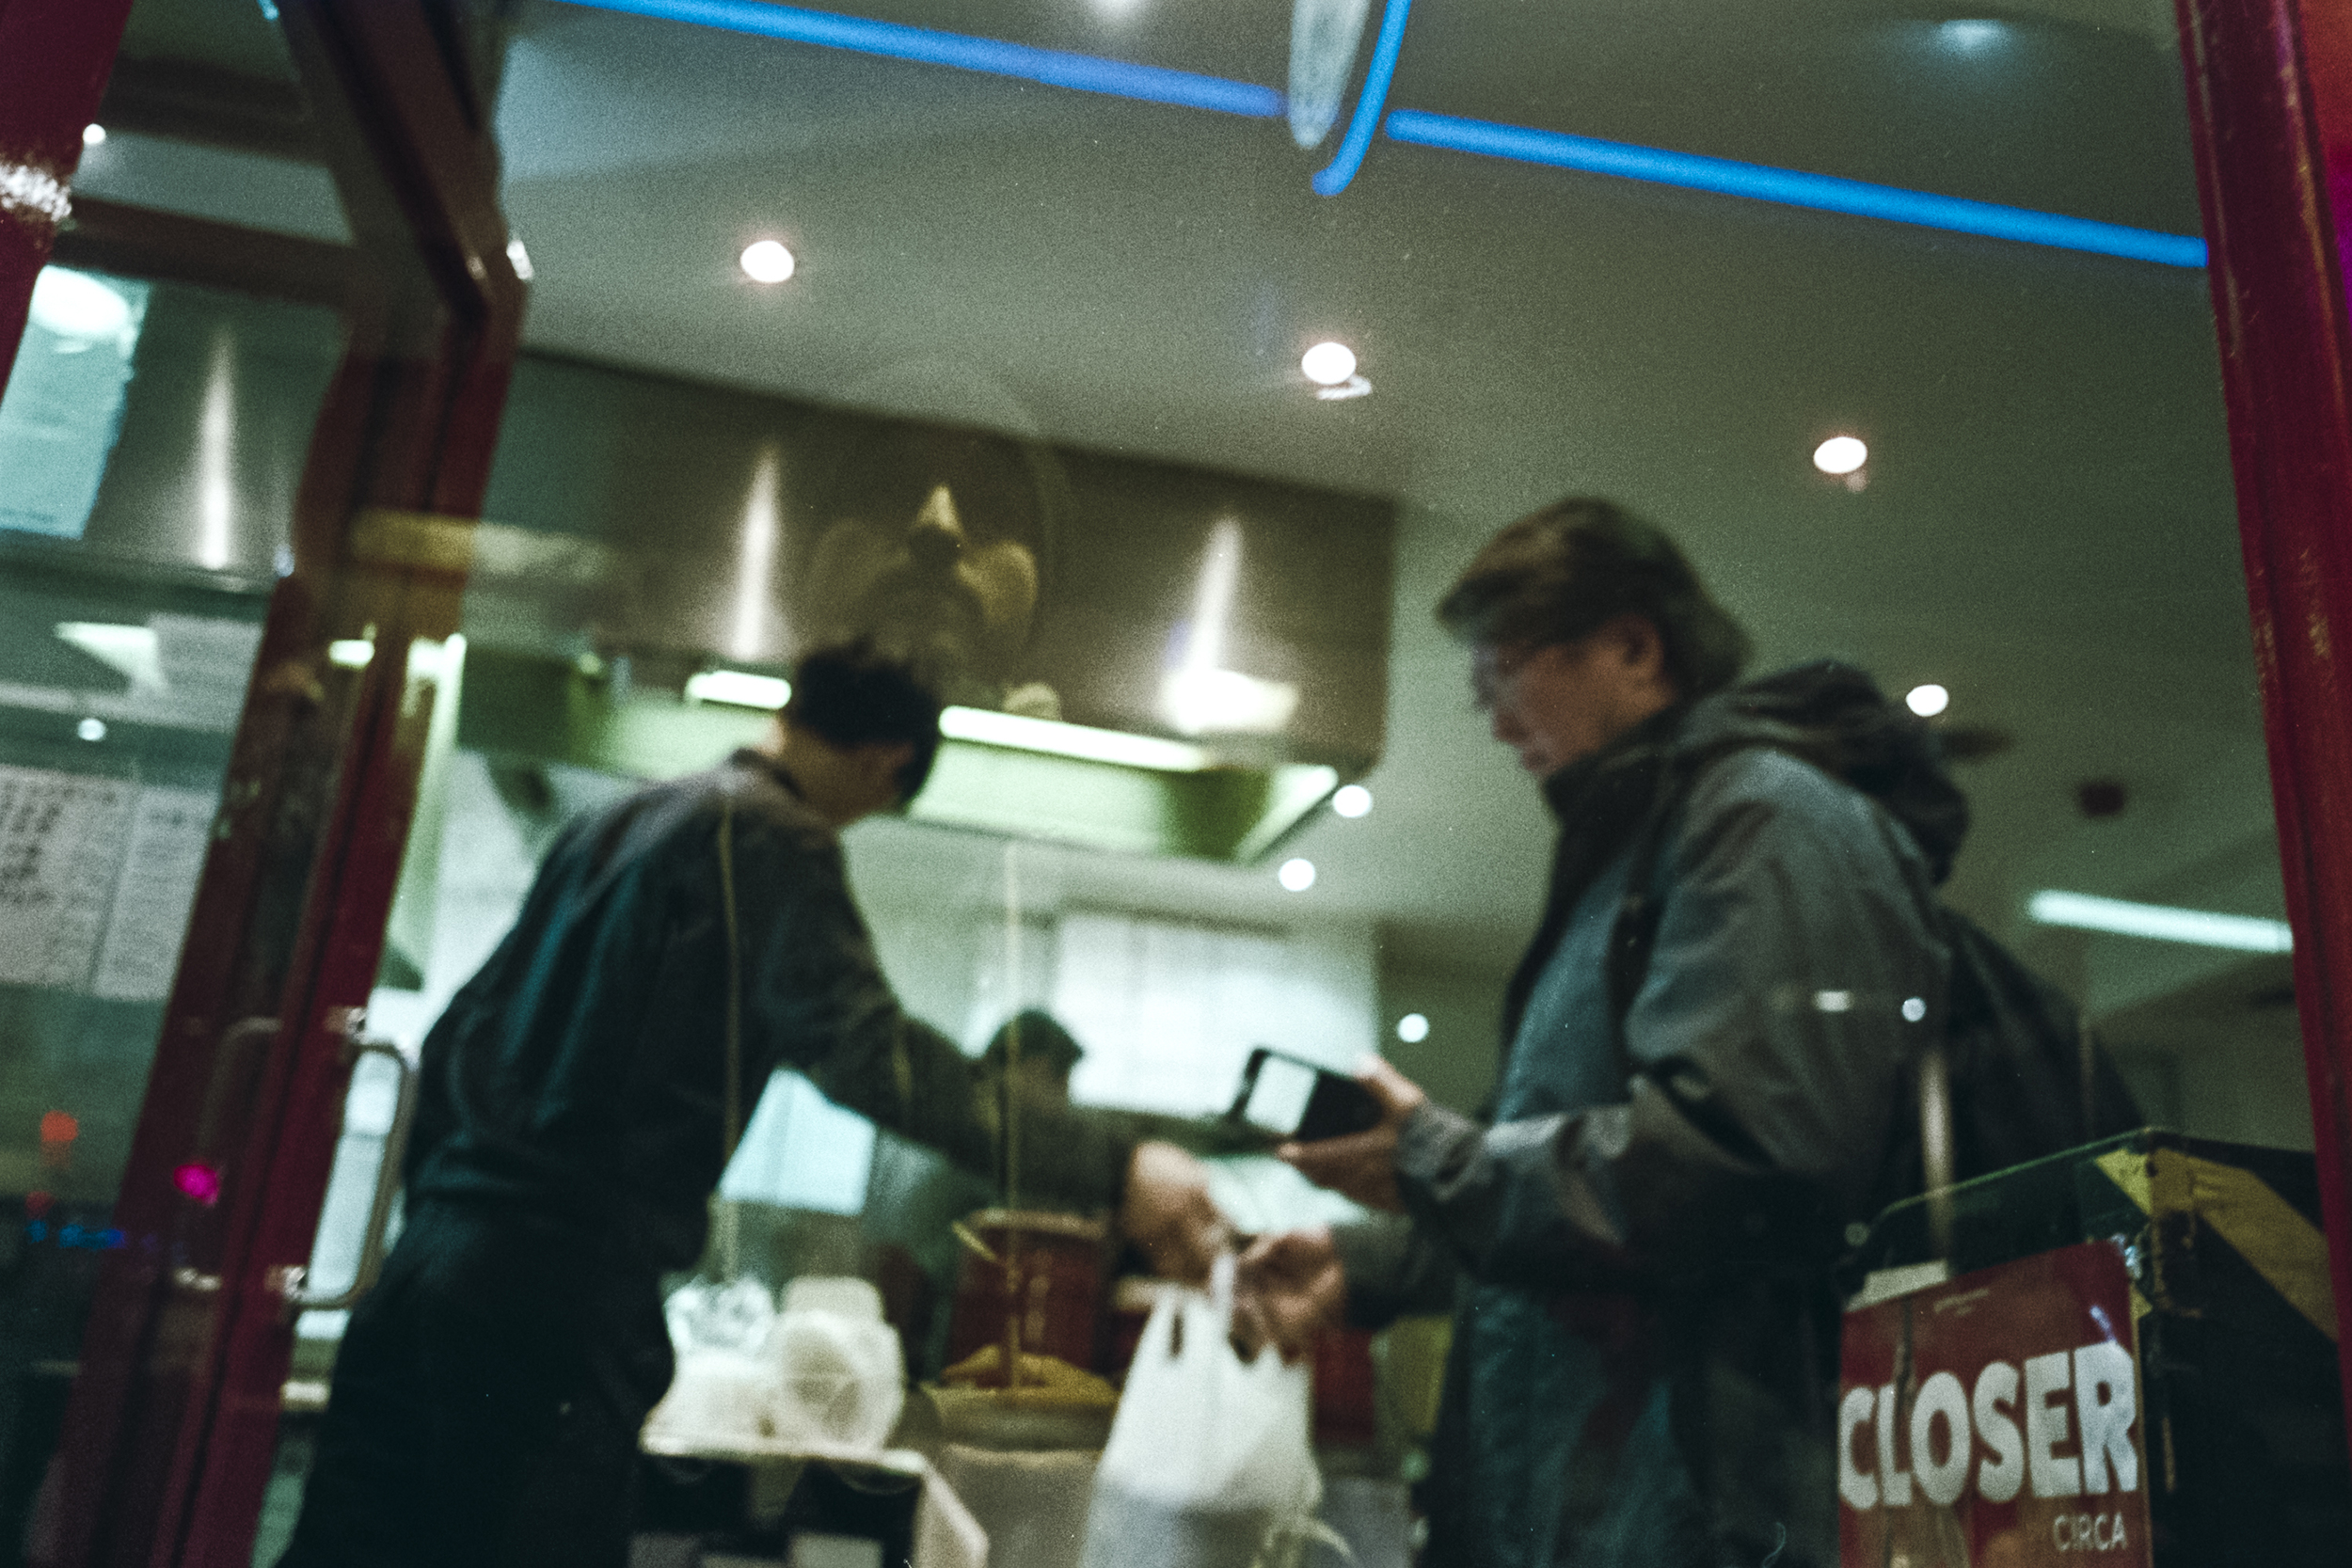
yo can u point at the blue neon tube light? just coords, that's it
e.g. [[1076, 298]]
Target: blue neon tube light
[[1559, 149], [1369, 102], [1792, 187], [1055, 68]]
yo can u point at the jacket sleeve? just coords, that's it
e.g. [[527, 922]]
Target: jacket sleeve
[[1394, 1268], [1794, 975], [815, 998]]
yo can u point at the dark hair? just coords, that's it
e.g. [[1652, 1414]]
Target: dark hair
[[850, 694], [1566, 571], [1042, 1039]]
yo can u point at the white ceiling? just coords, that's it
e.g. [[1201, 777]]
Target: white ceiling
[[2048, 526]]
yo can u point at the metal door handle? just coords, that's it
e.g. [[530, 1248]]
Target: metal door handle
[[291, 1280]]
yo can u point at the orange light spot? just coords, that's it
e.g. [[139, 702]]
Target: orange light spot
[[58, 1127]]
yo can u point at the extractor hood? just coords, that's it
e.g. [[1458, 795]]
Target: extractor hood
[[1143, 658]]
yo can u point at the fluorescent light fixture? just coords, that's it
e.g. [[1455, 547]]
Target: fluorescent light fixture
[[1352, 801], [1297, 875], [350, 653], [767, 262], [131, 652], [1412, 1028], [1369, 102], [1927, 700], [1328, 364], [738, 689], [1080, 741], [2161, 921], [1052, 66], [1792, 188]]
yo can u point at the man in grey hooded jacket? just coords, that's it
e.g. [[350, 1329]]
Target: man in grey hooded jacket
[[1636, 1240]]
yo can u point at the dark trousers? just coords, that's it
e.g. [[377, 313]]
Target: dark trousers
[[487, 1402]]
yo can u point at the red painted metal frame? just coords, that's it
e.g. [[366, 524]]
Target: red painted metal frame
[[2270, 101], [170, 1436], [54, 57]]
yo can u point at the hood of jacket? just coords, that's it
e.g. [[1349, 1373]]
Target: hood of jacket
[[1834, 717]]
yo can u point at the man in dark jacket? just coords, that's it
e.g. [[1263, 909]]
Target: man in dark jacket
[[580, 1098], [1636, 1243]]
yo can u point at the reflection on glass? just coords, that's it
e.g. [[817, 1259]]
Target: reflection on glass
[[63, 408]]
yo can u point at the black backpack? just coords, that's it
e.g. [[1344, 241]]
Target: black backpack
[[2017, 1074]]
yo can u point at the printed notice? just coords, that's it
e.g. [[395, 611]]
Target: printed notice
[[60, 839], [170, 830]]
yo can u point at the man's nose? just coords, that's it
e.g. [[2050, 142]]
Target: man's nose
[[935, 538]]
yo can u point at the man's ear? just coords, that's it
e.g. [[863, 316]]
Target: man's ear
[[1635, 640]]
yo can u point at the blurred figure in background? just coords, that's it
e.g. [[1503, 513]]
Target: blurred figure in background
[[579, 1100]]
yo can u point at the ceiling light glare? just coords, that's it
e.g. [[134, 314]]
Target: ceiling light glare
[[1970, 35], [767, 262], [1840, 455], [1352, 801], [2161, 921], [91, 729], [1297, 875], [93, 134], [1927, 701], [350, 653], [73, 305], [1412, 1028], [1328, 364], [738, 689]]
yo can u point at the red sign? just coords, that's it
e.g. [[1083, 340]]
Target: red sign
[[1996, 1420]]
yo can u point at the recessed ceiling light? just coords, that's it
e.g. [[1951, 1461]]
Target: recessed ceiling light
[[1328, 364], [768, 262], [1927, 700], [93, 134], [1840, 455], [1352, 801], [1297, 875], [1412, 1028], [91, 729]]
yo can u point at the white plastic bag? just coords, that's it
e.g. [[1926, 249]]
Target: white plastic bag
[[1207, 1464]]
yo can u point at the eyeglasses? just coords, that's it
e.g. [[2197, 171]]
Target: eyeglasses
[[1494, 673]]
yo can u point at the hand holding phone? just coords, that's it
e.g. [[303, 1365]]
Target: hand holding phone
[[1296, 1100]]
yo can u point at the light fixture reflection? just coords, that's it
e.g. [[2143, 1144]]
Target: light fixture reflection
[[75, 306], [1328, 364], [1927, 700], [748, 639], [215, 500], [1970, 35], [1200, 696], [2161, 921], [1352, 801], [1840, 455], [1297, 875], [986, 727], [767, 262], [1412, 1028]]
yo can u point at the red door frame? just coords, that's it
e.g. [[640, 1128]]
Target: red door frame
[[2270, 102], [53, 60], [170, 1433]]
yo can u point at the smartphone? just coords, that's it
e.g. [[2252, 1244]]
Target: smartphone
[[1294, 1099]]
